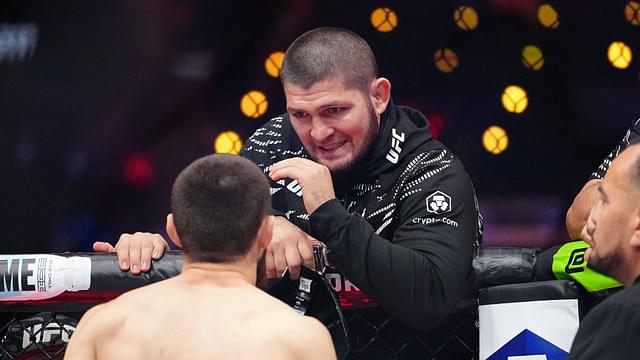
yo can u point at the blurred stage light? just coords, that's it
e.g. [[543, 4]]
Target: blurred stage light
[[548, 16], [495, 139], [466, 18], [532, 57], [514, 99], [436, 124], [18, 42], [195, 65], [228, 142], [254, 104], [632, 12], [273, 64], [138, 170], [445, 60], [619, 55], [384, 19]]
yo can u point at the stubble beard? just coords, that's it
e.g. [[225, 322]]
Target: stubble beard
[[346, 172], [608, 264]]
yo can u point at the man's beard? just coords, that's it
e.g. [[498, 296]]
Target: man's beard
[[345, 174], [608, 264]]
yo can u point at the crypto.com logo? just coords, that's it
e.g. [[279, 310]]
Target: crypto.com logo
[[438, 203]]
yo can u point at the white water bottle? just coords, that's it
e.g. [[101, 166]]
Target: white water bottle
[[38, 277]]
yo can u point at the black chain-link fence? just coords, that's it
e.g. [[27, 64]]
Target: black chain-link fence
[[35, 336], [376, 335], [373, 334]]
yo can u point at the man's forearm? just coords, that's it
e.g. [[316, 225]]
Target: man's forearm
[[417, 288]]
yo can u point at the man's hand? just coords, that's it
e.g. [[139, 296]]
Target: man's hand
[[289, 247], [314, 178], [135, 251]]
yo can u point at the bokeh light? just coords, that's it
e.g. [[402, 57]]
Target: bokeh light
[[384, 19], [532, 57], [514, 99], [273, 64], [619, 55], [227, 142], [632, 12], [254, 104], [445, 60], [466, 18], [138, 170], [548, 16], [495, 139]]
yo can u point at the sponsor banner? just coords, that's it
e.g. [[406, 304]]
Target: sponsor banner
[[349, 296], [543, 329]]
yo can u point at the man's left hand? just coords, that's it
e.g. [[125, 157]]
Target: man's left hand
[[313, 178]]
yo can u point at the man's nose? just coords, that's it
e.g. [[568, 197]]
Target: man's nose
[[320, 131]]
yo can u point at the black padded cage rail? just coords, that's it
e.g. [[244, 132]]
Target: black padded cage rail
[[41, 329]]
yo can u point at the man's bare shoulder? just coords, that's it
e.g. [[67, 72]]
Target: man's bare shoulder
[[306, 336], [97, 323]]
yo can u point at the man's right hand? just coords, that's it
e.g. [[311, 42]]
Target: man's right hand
[[289, 247], [135, 251]]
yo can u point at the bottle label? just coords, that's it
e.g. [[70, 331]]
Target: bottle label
[[38, 277]]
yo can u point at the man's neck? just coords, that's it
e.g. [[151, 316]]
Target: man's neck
[[220, 273]]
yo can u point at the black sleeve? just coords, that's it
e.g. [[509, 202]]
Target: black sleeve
[[424, 270], [609, 331], [264, 147], [632, 133]]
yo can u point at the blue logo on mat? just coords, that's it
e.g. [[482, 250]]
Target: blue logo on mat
[[528, 343]]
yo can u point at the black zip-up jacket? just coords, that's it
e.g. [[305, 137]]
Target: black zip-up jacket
[[404, 230], [632, 133]]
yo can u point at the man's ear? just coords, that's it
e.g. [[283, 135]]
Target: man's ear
[[265, 232], [380, 94], [171, 231], [635, 237]]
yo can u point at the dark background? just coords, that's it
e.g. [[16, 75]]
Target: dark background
[[112, 99]]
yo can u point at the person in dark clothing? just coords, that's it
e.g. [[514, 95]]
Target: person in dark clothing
[[588, 195], [610, 329], [352, 171]]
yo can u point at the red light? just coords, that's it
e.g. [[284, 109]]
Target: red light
[[138, 170], [437, 124]]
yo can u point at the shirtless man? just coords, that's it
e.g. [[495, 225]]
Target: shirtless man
[[220, 216]]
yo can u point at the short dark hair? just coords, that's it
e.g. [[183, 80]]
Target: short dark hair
[[326, 53], [218, 203]]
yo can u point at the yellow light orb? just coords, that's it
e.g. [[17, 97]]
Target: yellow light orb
[[384, 19], [227, 142], [532, 57], [495, 139], [445, 60], [254, 104], [619, 55], [548, 16], [466, 18], [273, 64], [632, 12], [514, 99]]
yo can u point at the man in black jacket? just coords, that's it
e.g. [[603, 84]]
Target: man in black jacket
[[354, 172], [610, 330], [588, 195]]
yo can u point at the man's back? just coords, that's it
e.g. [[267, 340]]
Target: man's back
[[186, 317]]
